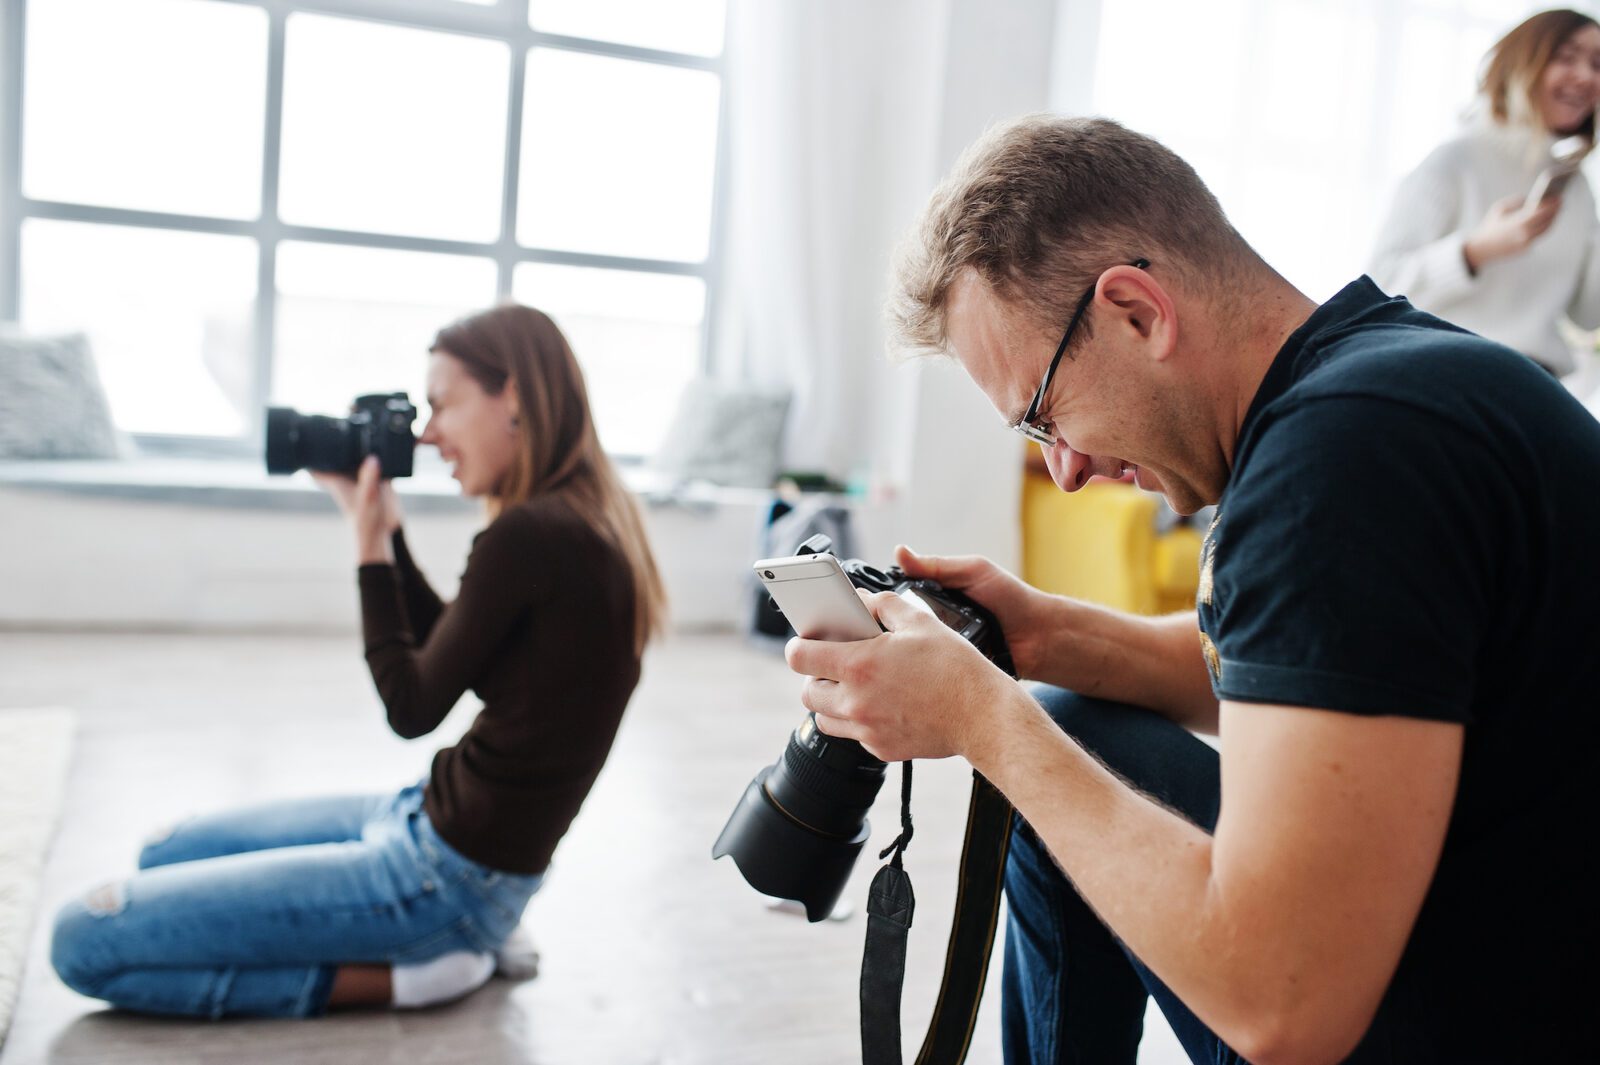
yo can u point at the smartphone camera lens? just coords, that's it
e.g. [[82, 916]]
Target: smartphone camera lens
[[767, 573]]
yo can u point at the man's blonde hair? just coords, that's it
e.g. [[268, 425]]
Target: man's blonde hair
[[1041, 206]]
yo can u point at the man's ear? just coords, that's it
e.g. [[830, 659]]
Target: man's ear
[[1144, 306]]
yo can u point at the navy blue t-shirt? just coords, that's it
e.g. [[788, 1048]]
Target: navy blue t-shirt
[[1412, 528]]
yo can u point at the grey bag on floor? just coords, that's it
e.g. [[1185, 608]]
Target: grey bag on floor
[[786, 528]]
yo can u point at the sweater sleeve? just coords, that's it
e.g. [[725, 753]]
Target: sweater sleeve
[[420, 681], [422, 603], [1584, 308], [1420, 249]]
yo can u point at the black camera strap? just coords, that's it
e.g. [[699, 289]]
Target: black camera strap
[[890, 904]]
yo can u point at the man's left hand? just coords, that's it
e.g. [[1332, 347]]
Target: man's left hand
[[917, 691]]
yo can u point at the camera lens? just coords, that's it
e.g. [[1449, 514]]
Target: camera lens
[[802, 821], [767, 573], [296, 441]]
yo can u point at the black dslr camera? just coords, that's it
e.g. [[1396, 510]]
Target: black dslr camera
[[799, 826], [377, 425]]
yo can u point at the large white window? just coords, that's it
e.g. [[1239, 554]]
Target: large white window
[[247, 202], [1301, 115]]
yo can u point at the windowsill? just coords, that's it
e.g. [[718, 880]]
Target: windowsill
[[244, 483]]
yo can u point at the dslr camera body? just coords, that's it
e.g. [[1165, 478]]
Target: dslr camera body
[[802, 821], [378, 424]]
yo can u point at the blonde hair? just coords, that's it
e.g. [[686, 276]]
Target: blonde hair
[[1040, 206], [560, 453], [1513, 67]]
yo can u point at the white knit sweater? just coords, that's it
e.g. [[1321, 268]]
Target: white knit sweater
[[1516, 300]]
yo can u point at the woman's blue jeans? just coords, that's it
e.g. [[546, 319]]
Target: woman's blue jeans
[[251, 913], [1071, 994]]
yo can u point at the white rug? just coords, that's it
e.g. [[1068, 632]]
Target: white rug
[[35, 746]]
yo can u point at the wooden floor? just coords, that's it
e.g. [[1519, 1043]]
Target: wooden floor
[[652, 953]]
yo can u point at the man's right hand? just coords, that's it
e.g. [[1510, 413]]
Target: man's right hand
[[1018, 607]]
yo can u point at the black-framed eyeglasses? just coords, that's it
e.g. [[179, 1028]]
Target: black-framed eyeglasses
[[1028, 425]]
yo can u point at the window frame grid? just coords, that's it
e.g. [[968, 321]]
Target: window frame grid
[[506, 21]]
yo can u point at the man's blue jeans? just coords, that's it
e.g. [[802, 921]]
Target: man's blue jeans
[[1070, 993], [250, 913]]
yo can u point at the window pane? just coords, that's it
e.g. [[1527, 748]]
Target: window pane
[[617, 156], [170, 315], [149, 104], [636, 335], [692, 26], [393, 130], [356, 320]]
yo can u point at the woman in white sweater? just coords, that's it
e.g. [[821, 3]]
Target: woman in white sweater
[[1461, 240]]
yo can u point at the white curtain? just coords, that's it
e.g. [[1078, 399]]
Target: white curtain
[[832, 113], [843, 115]]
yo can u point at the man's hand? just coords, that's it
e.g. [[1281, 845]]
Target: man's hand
[[1150, 662], [370, 503], [1019, 608], [917, 691]]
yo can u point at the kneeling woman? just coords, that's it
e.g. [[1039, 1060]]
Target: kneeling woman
[[403, 899]]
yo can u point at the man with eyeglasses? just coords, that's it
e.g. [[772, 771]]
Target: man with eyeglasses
[[1389, 856]]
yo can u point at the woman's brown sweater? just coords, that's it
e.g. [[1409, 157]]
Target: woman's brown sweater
[[542, 632]]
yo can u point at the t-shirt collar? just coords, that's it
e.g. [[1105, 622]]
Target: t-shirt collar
[[1352, 301]]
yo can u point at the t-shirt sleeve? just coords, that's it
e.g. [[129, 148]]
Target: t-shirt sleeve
[[1354, 560]]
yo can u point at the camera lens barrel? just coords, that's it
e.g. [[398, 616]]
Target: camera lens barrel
[[801, 823], [378, 425], [829, 794], [283, 440]]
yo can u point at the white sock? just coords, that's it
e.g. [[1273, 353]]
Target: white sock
[[443, 979], [517, 958]]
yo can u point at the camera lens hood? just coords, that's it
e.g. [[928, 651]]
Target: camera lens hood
[[778, 856], [283, 440]]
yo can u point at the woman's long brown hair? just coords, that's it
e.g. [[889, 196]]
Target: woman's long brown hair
[[560, 453], [1518, 60]]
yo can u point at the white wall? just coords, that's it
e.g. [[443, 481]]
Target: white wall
[[70, 559]]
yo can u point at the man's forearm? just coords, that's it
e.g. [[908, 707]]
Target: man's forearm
[[1283, 929], [1146, 871], [1155, 663]]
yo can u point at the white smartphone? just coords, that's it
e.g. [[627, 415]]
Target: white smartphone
[[817, 598], [1566, 156], [1552, 181]]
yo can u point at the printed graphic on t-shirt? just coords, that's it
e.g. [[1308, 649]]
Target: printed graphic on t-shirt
[[1208, 551], [1213, 660], [1204, 597]]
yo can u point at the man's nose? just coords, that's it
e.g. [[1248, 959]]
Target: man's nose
[[1068, 468]]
